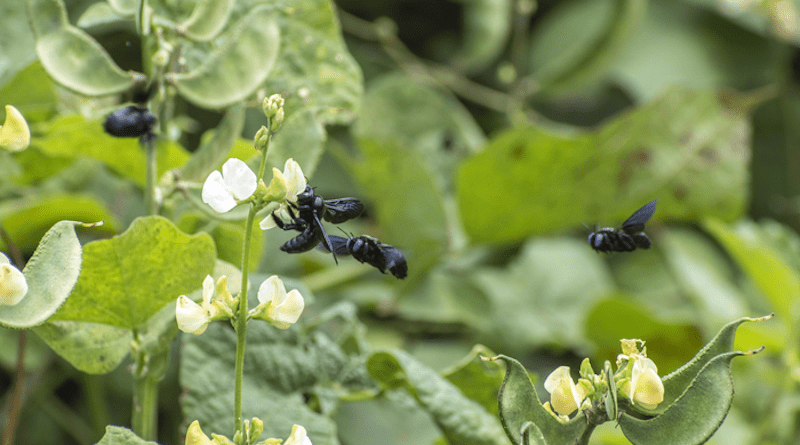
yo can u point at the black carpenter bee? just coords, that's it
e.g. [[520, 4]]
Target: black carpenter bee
[[311, 211], [367, 249], [628, 237], [130, 122]]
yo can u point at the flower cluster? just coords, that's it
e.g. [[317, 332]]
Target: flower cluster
[[636, 379], [276, 306], [195, 435]]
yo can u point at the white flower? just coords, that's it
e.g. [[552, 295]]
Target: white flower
[[14, 133], [565, 396], [276, 306], [295, 183], [236, 182], [194, 318], [299, 436], [647, 389], [13, 286]]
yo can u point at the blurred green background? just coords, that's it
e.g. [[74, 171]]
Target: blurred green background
[[488, 131]]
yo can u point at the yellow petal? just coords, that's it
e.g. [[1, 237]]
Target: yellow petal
[[14, 134]]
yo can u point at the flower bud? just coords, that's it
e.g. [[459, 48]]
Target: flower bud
[[261, 138], [276, 122], [13, 286], [14, 134]]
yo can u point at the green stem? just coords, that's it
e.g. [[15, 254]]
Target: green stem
[[144, 406], [151, 206], [15, 405], [241, 320]]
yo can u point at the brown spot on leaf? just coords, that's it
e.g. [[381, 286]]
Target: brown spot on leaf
[[518, 151], [679, 193]]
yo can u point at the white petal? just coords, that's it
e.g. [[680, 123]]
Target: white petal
[[238, 178], [4, 259], [267, 223], [556, 378], [272, 290], [12, 285], [288, 312], [299, 436], [295, 180], [216, 195], [208, 290], [191, 317]]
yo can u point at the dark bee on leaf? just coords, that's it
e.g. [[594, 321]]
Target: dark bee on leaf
[[130, 122], [367, 249], [311, 211], [628, 237]]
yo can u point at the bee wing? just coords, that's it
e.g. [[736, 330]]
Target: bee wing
[[341, 210], [395, 261], [635, 223], [339, 245]]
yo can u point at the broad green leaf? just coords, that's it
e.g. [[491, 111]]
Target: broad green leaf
[[128, 278], [315, 64], [117, 435], [27, 220], [17, 44], [487, 26], [416, 204], [681, 45], [31, 92], [695, 415], [542, 182], [228, 238], [236, 69], [214, 151], [125, 7], [461, 420], [72, 57], [478, 379], [73, 136], [669, 344], [90, 347], [281, 367], [704, 275], [533, 302], [776, 280], [578, 40], [521, 408], [419, 119], [302, 138], [207, 20], [50, 273]]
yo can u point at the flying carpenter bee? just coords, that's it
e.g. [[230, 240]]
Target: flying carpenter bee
[[311, 210], [130, 122], [628, 237], [367, 249]]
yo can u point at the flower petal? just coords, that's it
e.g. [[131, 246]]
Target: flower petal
[[295, 180], [191, 317], [14, 134], [216, 195], [288, 312], [208, 291], [272, 290], [299, 436], [239, 180], [267, 223], [195, 435], [13, 286]]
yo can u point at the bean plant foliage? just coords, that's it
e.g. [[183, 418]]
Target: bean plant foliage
[[150, 148]]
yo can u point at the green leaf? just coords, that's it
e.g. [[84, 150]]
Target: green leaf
[[50, 273], [207, 20], [214, 151], [31, 91], [302, 138], [486, 28], [72, 57], [776, 280], [605, 175], [130, 277], [534, 303], [520, 408], [578, 40], [228, 238], [236, 70], [90, 347], [73, 136], [281, 367], [461, 420], [478, 379], [17, 45], [695, 415], [315, 63], [117, 435], [26, 220]]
